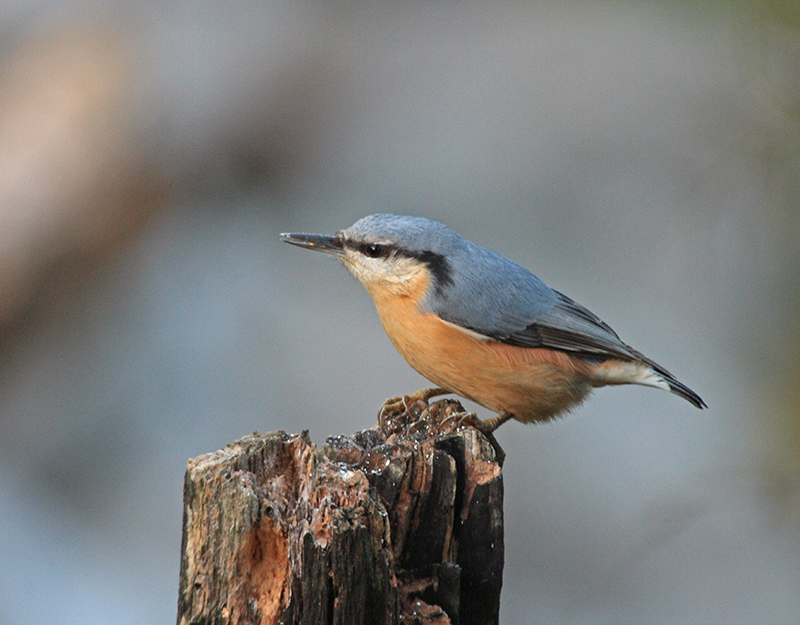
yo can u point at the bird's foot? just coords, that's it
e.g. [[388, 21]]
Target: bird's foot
[[402, 411], [487, 428], [401, 405], [484, 427]]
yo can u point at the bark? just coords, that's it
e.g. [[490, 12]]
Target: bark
[[402, 523]]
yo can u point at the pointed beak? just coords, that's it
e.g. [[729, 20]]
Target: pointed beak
[[319, 242]]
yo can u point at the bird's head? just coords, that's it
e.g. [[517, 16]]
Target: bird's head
[[389, 252]]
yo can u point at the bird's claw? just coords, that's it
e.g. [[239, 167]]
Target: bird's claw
[[470, 419], [398, 406], [392, 405], [460, 419], [402, 405]]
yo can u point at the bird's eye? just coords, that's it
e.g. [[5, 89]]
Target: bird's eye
[[374, 250]]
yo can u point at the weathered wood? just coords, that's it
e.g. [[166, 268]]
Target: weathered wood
[[402, 523]]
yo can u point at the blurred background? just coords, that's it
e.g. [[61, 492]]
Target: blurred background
[[641, 157]]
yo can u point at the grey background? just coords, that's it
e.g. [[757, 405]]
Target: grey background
[[640, 157]]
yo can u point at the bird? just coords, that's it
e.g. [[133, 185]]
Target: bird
[[481, 326]]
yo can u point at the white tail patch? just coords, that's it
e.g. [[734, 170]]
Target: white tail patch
[[621, 372]]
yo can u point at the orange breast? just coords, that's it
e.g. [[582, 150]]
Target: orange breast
[[532, 384]]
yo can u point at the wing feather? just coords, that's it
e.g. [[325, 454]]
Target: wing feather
[[570, 327]]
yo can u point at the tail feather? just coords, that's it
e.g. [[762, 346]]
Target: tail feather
[[681, 390], [645, 373]]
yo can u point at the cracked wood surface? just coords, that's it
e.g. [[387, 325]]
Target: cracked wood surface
[[402, 523]]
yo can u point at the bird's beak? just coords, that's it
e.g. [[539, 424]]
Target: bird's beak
[[319, 242]]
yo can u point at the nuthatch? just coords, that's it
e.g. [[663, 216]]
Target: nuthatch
[[481, 326]]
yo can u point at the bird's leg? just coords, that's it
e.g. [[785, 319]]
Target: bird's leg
[[485, 427], [490, 425], [401, 404]]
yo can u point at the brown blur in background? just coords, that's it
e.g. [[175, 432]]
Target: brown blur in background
[[641, 157]]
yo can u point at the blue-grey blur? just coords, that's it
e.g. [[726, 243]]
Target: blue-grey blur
[[641, 157]]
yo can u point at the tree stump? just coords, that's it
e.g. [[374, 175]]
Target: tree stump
[[402, 523]]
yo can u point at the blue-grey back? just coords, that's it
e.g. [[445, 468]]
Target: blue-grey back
[[489, 293]]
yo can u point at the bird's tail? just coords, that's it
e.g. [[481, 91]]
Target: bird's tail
[[645, 373], [681, 390]]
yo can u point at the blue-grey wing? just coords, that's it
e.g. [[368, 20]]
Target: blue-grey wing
[[568, 326]]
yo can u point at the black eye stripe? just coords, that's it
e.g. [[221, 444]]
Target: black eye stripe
[[375, 250], [436, 263]]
